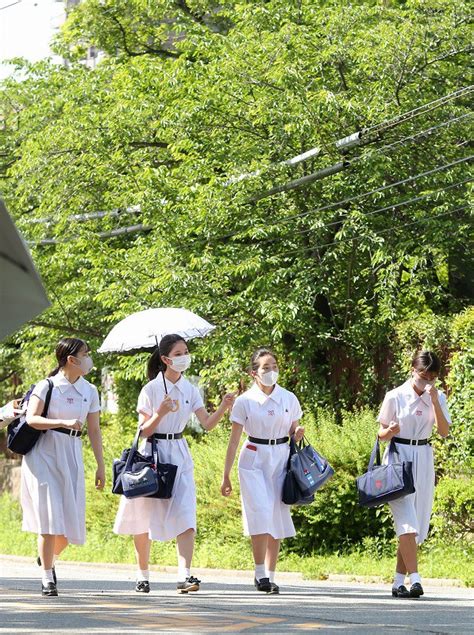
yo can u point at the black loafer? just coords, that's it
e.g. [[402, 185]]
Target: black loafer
[[274, 589], [401, 592], [189, 585], [263, 585], [49, 590], [142, 586], [416, 590], [38, 562]]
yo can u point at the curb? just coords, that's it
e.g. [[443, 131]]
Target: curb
[[240, 574]]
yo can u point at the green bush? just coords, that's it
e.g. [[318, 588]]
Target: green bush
[[453, 511]]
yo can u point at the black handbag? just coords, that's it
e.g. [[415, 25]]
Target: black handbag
[[21, 436], [136, 475], [384, 483], [307, 471]]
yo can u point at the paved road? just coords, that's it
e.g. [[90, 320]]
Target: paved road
[[100, 599]]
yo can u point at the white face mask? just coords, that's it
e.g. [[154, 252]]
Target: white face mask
[[85, 364], [180, 363], [269, 378], [421, 383]]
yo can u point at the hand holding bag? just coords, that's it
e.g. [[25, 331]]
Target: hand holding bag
[[384, 483], [307, 472], [131, 473]]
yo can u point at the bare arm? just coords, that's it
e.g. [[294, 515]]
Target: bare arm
[[209, 421], [95, 436], [35, 420], [297, 430], [442, 424], [387, 433], [149, 423], [236, 433]]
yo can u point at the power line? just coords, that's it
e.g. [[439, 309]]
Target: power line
[[357, 137], [391, 207], [285, 219], [382, 231], [338, 167]]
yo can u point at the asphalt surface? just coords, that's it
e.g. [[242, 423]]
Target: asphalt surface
[[101, 599]]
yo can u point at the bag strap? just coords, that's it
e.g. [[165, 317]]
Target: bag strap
[[374, 455], [133, 449], [47, 398], [164, 382]]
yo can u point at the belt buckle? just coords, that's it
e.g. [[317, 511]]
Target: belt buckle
[[272, 442], [169, 436], [72, 433], [413, 441]]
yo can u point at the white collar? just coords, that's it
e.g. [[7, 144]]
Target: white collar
[[169, 384], [412, 395], [62, 382], [261, 397]]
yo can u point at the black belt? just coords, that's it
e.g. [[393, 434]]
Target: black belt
[[410, 441], [269, 441], [68, 431], [168, 436]]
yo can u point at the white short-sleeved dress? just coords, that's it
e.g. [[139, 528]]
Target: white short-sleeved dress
[[52, 473], [415, 415], [262, 468], [164, 519]]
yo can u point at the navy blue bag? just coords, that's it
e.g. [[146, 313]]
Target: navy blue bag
[[384, 483], [137, 475], [22, 437], [307, 471]]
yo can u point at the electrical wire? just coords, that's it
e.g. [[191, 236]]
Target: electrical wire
[[382, 231], [391, 207]]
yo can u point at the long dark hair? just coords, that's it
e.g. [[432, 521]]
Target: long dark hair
[[426, 361], [67, 346], [155, 363]]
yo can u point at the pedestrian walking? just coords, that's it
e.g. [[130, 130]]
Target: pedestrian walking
[[268, 414], [407, 416], [52, 472], [165, 405]]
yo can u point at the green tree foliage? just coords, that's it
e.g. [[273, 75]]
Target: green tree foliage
[[189, 96]]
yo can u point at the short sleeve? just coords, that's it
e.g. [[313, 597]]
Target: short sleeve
[[95, 401], [296, 412], [237, 414], [444, 407], [144, 404], [387, 411], [41, 389], [197, 401]]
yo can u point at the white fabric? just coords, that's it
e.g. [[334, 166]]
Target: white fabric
[[165, 519], [415, 416], [262, 468], [52, 473], [145, 329]]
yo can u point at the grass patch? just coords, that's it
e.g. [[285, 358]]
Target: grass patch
[[436, 561]]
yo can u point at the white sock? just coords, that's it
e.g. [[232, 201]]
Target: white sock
[[143, 575], [47, 576], [398, 580], [260, 571], [183, 573], [271, 576], [415, 577]]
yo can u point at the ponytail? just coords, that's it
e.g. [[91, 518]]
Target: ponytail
[[155, 364]]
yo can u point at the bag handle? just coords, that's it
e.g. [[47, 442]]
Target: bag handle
[[133, 449], [375, 454]]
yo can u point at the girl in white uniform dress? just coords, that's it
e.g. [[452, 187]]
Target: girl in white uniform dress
[[52, 473], [269, 415], [166, 412], [408, 415]]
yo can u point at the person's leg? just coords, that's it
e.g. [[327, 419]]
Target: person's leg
[[60, 544], [271, 556], [401, 566], [259, 550], [407, 548], [185, 549], [46, 544], [142, 552]]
